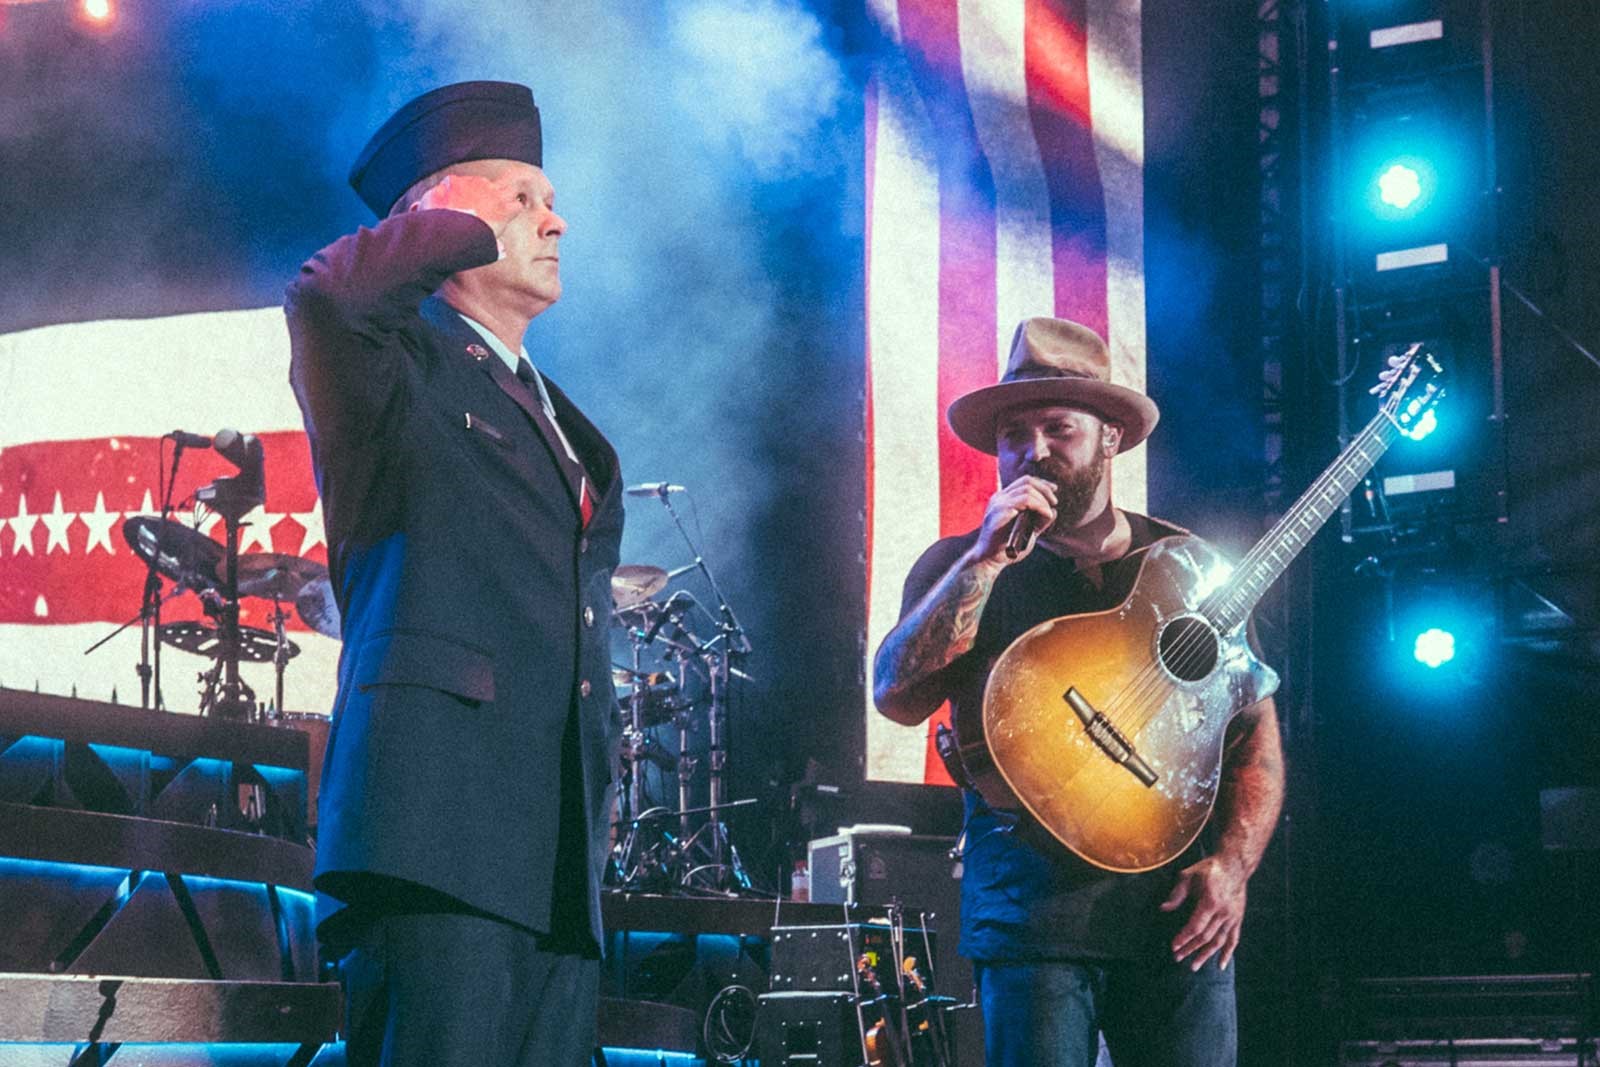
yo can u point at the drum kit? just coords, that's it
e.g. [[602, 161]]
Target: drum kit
[[181, 560], [679, 660], [196, 564]]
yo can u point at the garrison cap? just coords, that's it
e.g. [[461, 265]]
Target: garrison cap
[[451, 124]]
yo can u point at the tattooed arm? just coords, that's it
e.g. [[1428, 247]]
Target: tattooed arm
[[1248, 802], [908, 671]]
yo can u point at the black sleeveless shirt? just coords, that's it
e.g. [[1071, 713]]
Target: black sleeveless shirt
[[1023, 895]]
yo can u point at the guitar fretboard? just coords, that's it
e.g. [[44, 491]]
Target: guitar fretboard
[[1232, 604]]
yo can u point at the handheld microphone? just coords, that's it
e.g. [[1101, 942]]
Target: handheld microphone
[[185, 439], [675, 606], [1022, 533], [653, 489]]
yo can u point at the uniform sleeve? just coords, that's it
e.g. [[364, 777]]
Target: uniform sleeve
[[351, 299]]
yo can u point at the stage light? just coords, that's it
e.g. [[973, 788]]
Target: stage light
[[1434, 647], [1400, 186], [97, 12]]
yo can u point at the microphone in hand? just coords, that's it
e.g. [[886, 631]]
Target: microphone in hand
[[1027, 525]]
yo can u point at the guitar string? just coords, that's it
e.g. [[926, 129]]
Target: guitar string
[[1151, 680], [1123, 709], [1150, 687], [1199, 643], [1193, 647]]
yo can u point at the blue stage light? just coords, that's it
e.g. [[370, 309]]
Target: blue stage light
[[1401, 188], [1434, 647]]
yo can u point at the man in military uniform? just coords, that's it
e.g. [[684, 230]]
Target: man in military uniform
[[473, 517]]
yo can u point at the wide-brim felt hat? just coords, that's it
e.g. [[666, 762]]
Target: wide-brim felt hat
[[1054, 362], [444, 126]]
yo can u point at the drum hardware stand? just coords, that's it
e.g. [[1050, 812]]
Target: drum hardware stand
[[735, 644], [149, 617], [232, 497], [280, 658]]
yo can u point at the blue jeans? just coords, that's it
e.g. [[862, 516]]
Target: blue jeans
[[1157, 1014]]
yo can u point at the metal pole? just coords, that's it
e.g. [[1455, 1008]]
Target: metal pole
[[1492, 191], [1341, 280]]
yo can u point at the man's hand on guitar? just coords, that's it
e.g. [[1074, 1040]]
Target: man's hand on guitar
[[1026, 494], [1216, 885]]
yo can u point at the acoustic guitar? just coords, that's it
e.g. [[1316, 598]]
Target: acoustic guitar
[[1108, 727]]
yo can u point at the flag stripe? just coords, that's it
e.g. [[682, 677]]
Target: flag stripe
[[902, 337], [1116, 70], [966, 260], [996, 107], [1058, 89], [994, 63]]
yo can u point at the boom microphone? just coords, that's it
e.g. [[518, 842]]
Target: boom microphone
[[653, 489], [189, 440], [675, 606]]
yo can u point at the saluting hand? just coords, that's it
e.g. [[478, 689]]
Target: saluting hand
[[1027, 493], [496, 203]]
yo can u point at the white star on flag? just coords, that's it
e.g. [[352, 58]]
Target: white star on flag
[[22, 528], [311, 522], [99, 522], [146, 507], [256, 529], [57, 522]]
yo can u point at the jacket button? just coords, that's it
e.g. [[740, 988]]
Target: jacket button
[[588, 615], [584, 688], [583, 544]]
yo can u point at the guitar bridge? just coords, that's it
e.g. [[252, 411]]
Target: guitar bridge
[[1109, 738]]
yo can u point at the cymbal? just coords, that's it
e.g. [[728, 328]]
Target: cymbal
[[317, 608], [277, 575], [255, 645], [626, 676], [182, 554], [634, 583]]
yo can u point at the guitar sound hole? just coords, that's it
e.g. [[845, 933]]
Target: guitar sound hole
[[1189, 648]]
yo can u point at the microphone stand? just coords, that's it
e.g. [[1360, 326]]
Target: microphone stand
[[150, 649], [150, 601]]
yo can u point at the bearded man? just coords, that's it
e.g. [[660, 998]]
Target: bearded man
[[1065, 951]]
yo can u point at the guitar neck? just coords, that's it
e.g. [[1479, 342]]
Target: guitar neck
[[1232, 604]]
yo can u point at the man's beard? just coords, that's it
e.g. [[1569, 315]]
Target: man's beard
[[1075, 490]]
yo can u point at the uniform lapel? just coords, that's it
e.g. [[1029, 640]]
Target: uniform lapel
[[467, 345]]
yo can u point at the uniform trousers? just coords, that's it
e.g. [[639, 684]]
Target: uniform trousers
[[459, 989]]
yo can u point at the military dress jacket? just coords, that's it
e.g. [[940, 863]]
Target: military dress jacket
[[475, 602]]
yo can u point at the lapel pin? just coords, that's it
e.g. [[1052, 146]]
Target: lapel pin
[[478, 352]]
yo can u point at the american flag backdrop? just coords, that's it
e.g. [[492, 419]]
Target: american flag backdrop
[[1004, 149], [82, 411]]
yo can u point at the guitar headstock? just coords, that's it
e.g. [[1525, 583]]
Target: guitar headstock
[[1411, 386]]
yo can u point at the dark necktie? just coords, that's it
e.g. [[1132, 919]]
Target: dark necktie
[[529, 377]]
